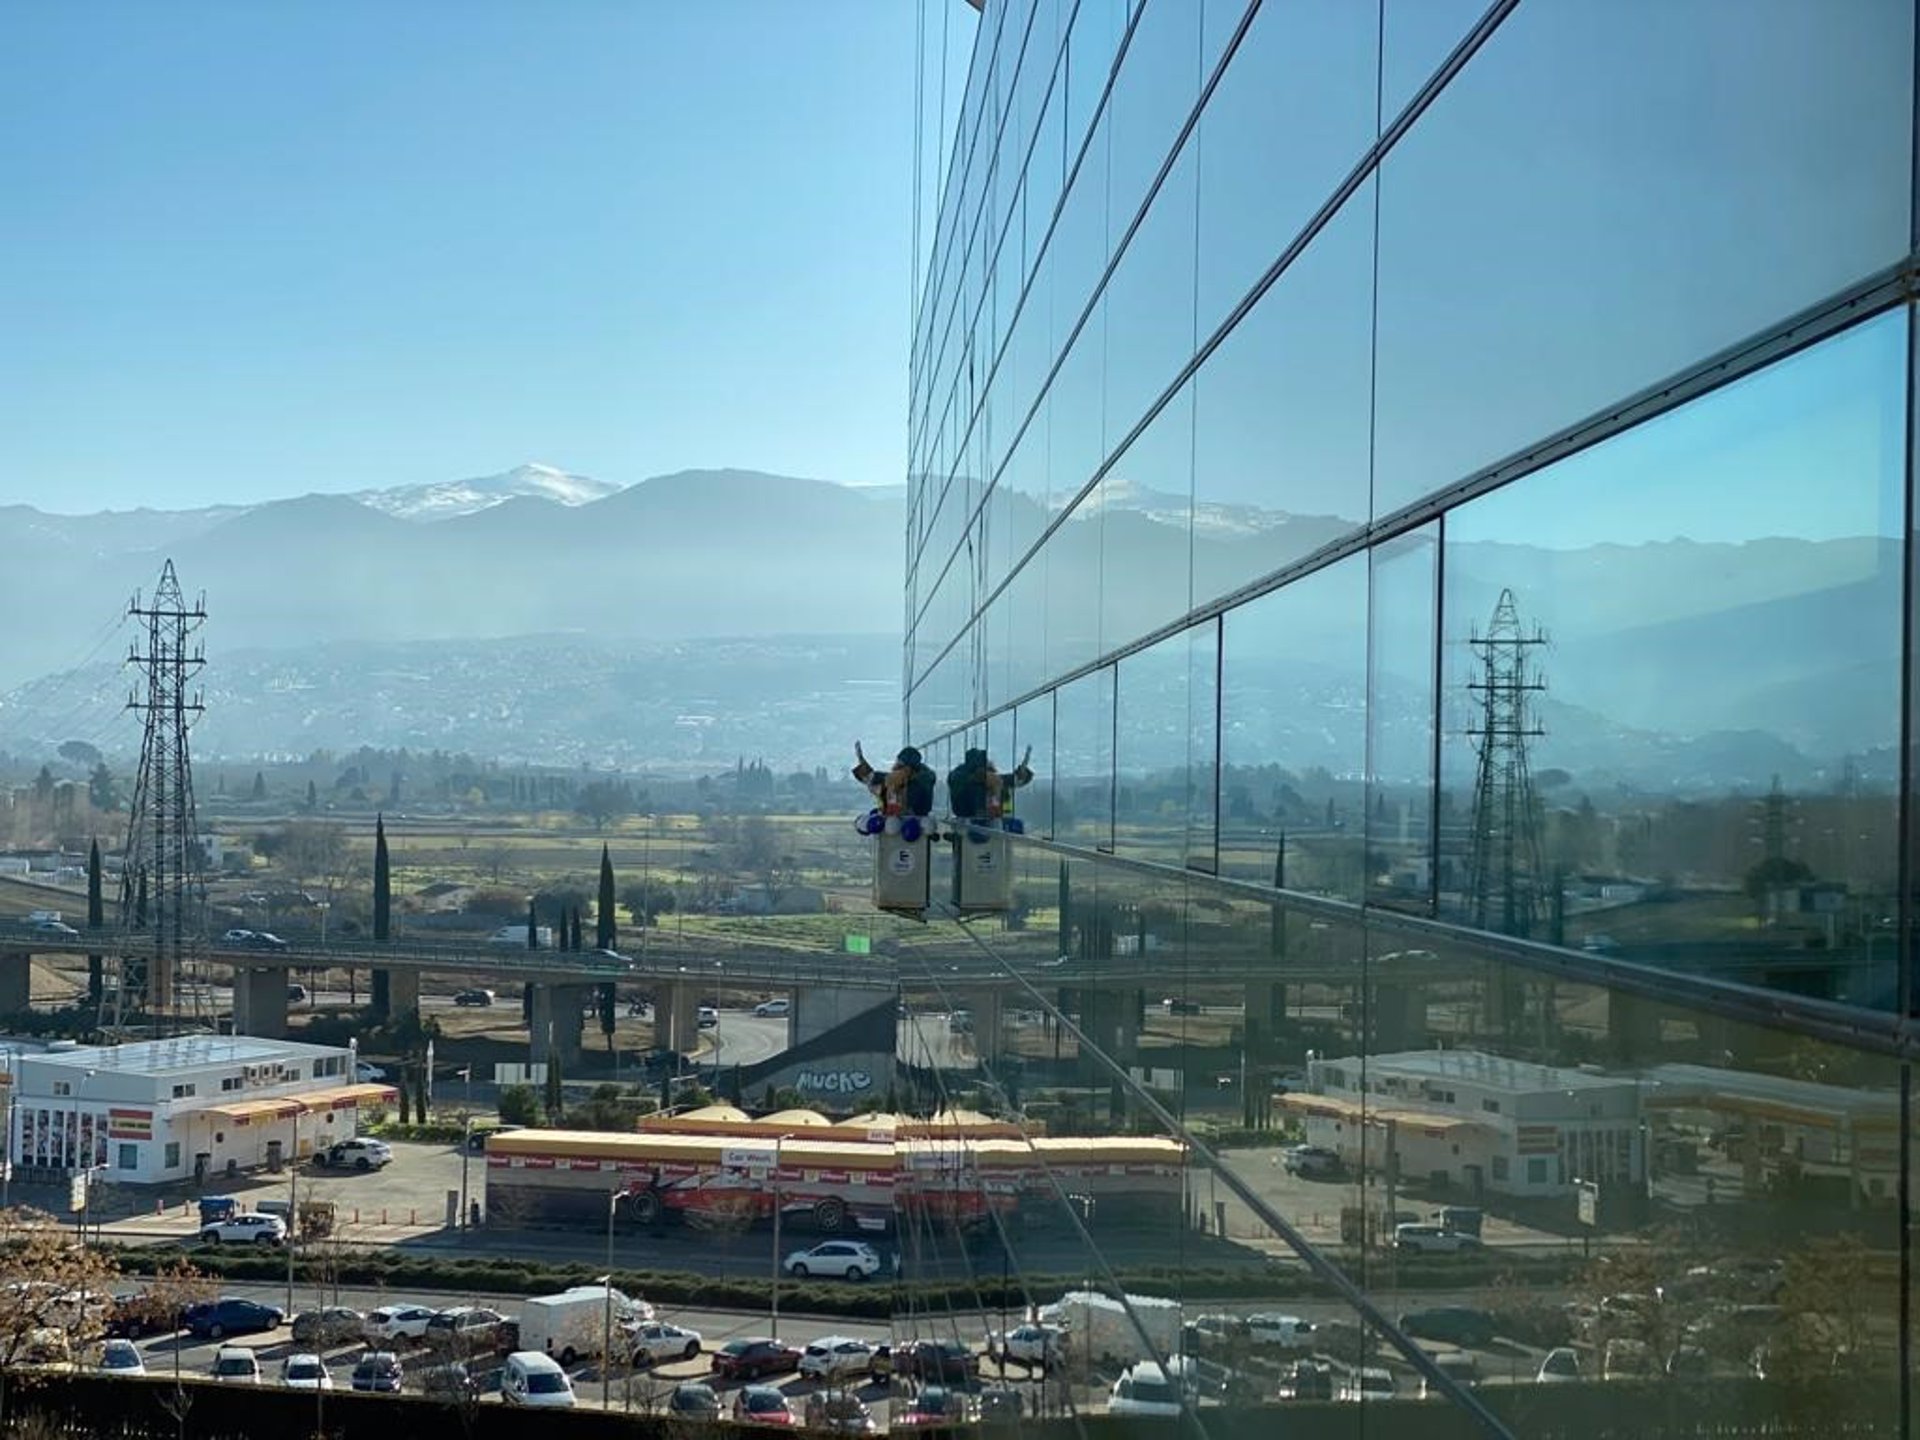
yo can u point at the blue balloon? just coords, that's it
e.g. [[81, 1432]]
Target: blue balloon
[[910, 829], [1014, 825]]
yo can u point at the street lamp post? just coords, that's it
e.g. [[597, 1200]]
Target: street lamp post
[[466, 1154], [293, 1206], [773, 1326], [606, 1321]]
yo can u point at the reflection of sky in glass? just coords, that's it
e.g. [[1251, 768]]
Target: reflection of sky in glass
[[1755, 458]]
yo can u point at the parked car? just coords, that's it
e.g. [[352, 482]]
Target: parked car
[[944, 1362], [854, 1259], [1146, 1390], [1561, 1364], [249, 1229], [296, 994], [660, 1341], [1280, 1332], [121, 1357], [772, 1008], [359, 1153], [761, 1405], [324, 1328], [1308, 1380], [1310, 1162], [378, 1372], [1626, 1360], [452, 1381], [305, 1372], [1031, 1345], [934, 1405], [472, 1330], [1453, 1324], [835, 1357], [750, 1359], [534, 1378], [1424, 1239], [1001, 1404], [367, 1074], [1369, 1382], [840, 1412], [134, 1313], [398, 1322], [473, 997], [693, 1400], [231, 1315], [237, 1365]]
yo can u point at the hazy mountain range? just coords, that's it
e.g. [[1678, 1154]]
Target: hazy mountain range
[[537, 610]]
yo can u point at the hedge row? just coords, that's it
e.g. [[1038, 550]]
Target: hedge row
[[504, 1275]]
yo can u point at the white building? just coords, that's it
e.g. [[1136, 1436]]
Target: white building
[[1476, 1121], [198, 1107]]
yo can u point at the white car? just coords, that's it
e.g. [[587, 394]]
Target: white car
[[1561, 1365], [660, 1341], [249, 1229], [834, 1357], [533, 1379], [399, 1322], [1370, 1382], [1432, 1239], [357, 1154], [1283, 1332], [707, 1018], [851, 1258], [305, 1372], [237, 937], [236, 1365], [772, 1008], [1030, 1344], [368, 1074], [1145, 1389], [121, 1357]]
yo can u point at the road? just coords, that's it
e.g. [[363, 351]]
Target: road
[[743, 1038]]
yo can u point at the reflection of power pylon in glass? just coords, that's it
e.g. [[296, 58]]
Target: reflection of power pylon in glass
[[1504, 872], [159, 891]]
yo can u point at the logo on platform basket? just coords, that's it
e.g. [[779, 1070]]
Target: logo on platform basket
[[902, 861]]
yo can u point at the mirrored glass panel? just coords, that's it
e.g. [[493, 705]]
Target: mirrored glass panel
[[1083, 760], [1290, 117], [1293, 734], [1280, 416], [1672, 684], [1152, 782], [1755, 170], [1403, 636]]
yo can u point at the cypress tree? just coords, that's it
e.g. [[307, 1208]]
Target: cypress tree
[[382, 883], [576, 929], [533, 928], [96, 917], [313, 796], [606, 934]]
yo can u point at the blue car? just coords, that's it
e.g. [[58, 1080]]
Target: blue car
[[231, 1315]]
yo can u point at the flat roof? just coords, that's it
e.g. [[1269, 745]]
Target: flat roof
[[186, 1052], [1780, 1097], [1494, 1071]]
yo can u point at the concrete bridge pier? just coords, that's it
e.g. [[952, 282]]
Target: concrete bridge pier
[[16, 982], [983, 1007], [394, 992], [260, 1003], [1266, 1011], [676, 1017], [554, 1032], [1110, 1019], [1399, 1016]]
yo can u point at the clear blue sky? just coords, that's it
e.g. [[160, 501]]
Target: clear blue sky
[[253, 250]]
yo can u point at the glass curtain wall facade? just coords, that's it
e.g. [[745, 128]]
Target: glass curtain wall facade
[[1432, 483]]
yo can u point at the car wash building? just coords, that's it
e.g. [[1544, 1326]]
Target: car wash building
[[199, 1107]]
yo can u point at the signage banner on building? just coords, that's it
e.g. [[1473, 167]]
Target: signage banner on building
[[130, 1124]]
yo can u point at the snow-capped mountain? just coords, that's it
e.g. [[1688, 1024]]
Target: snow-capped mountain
[[447, 498], [1215, 519]]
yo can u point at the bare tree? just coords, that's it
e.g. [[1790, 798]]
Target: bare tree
[[56, 1294]]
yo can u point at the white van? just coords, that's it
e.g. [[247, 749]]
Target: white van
[[532, 1378]]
